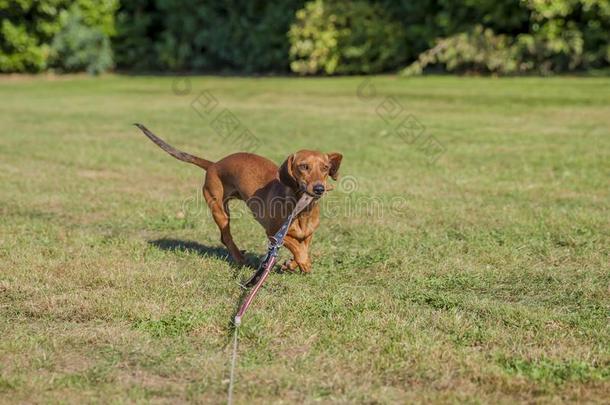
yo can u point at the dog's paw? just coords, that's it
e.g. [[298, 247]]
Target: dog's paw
[[240, 259], [305, 267], [289, 265]]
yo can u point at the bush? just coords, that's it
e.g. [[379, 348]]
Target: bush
[[26, 31], [243, 36], [482, 51], [344, 37], [565, 35], [479, 51], [77, 47], [29, 26], [313, 37], [19, 50], [138, 24], [560, 36]]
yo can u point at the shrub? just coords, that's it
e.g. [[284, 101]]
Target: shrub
[[28, 27], [425, 22], [560, 36], [19, 50], [479, 51], [538, 54], [77, 47], [138, 23], [313, 37], [244, 36], [99, 14], [344, 37], [567, 34]]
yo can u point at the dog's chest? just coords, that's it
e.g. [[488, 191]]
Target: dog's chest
[[304, 225]]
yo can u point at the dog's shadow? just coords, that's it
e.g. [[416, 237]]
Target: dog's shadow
[[219, 252]]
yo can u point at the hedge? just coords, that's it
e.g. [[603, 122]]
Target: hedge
[[29, 28], [306, 37], [174, 35]]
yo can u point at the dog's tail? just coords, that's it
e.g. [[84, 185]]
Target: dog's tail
[[185, 157]]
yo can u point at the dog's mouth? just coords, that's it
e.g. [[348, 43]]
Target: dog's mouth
[[304, 190], [313, 195]]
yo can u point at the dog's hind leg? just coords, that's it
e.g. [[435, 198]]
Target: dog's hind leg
[[215, 200]]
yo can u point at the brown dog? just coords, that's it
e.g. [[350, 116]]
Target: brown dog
[[270, 192]]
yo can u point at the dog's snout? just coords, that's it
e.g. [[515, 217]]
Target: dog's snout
[[318, 189]]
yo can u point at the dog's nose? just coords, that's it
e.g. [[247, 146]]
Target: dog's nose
[[318, 189]]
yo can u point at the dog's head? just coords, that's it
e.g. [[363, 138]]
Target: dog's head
[[307, 171]]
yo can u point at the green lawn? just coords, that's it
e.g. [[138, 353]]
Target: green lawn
[[481, 276]]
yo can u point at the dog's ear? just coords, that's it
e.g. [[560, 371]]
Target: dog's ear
[[286, 175], [335, 162]]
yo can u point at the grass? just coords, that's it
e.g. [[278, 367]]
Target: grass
[[483, 276]]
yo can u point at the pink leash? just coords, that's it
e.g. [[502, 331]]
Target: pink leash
[[269, 259]]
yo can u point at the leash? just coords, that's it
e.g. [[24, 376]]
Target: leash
[[233, 361], [257, 280], [269, 259]]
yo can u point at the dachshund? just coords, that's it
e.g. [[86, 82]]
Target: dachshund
[[270, 192]]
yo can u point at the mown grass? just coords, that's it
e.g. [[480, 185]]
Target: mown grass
[[481, 277]]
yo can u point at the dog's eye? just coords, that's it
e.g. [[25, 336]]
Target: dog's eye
[[326, 168], [304, 167]]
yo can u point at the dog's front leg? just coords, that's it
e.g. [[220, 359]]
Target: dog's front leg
[[300, 251]]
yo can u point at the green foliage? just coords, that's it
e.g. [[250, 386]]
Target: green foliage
[[572, 33], [77, 47], [313, 37], [555, 36], [19, 51], [344, 37], [427, 21], [138, 24], [28, 28], [245, 36], [99, 14], [480, 51]]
